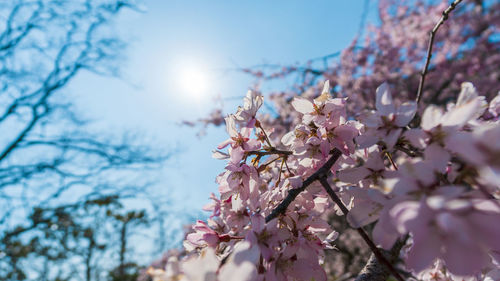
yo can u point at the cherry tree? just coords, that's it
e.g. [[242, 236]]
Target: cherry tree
[[407, 151]]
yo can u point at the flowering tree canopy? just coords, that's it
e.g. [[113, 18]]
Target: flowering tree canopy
[[416, 164]]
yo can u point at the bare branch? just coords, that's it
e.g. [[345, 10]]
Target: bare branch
[[374, 271], [433, 32]]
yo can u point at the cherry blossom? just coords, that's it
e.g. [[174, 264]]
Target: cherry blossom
[[251, 104], [386, 123], [441, 222], [424, 176]]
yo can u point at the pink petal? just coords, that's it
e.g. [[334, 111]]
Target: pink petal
[[363, 214], [384, 233], [494, 107], [353, 175], [460, 115], [431, 117], [384, 103], [366, 140], [467, 94], [391, 138], [236, 154], [463, 258], [224, 143], [241, 263], [346, 132], [370, 119], [405, 113], [302, 105], [288, 138], [203, 267], [375, 162], [424, 251], [437, 157], [306, 269], [416, 137], [231, 126]]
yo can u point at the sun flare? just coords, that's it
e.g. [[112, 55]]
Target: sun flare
[[194, 82]]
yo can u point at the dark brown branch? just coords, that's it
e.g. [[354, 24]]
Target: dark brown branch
[[270, 152], [293, 193], [360, 230], [407, 151], [373, 271], [433, 32]]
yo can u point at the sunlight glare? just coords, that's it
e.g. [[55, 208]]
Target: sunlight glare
[[194, 82]]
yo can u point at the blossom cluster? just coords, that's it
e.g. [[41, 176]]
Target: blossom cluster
[[430, 184], [424, 175]]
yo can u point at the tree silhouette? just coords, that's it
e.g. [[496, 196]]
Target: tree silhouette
[[57, 174]]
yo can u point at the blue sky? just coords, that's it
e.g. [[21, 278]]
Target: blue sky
[[175, 43]]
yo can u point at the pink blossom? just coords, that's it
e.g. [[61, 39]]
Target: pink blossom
[[251, 104], [214, 206], [450, 228], [242, 263], [203, 267], [481, 149], [494, 108], [386, 123], [239, 141], [263, 235], [369, 173], [204, 236]]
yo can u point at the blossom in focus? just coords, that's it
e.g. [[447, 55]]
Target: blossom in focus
[[385, 124], [251, 104], [239, 141], [203, 236]]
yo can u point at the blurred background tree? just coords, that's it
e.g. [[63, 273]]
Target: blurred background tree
[[62, 183]]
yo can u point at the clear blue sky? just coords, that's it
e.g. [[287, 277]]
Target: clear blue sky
[[176, 36]]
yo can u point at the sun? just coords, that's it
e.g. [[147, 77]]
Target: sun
[[194, 81]]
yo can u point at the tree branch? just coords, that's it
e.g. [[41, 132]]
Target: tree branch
[[321, 175], [433, 32], [376, 251], [373, 271], [270, 152], [293, 193]]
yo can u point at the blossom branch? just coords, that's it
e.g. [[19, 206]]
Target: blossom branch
[[293, 193], [270, 152], [360, 230], [444, 17], [373, 271]]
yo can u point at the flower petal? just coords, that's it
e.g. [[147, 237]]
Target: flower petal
[[384, 103], [302, 105]]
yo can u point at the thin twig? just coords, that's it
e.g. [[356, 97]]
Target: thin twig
[[293, 193], [360, 230], [264, 166], [391, 160], [409, 152], [444, 17], [258, 125], [286, 165]]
